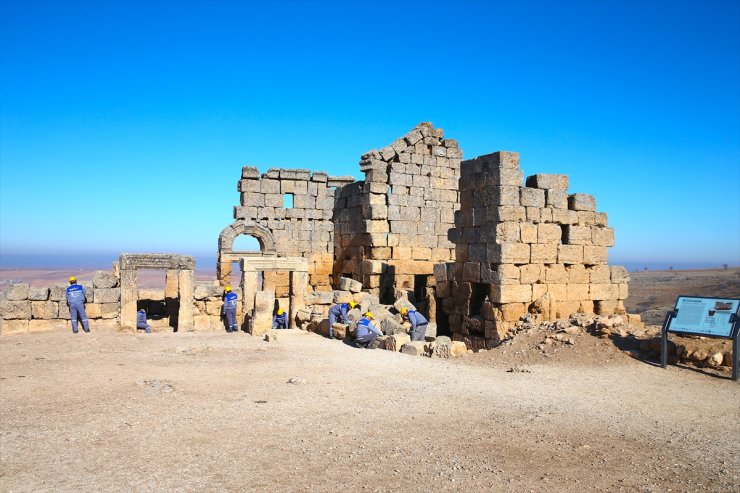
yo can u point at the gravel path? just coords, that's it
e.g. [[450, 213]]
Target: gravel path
[[214, 412]]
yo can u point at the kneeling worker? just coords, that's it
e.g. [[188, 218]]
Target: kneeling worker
[[141, 321], [339, 313], [366, 331], [230, 299], [418, 323], [280, 319]]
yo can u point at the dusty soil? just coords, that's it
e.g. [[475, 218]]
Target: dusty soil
[[211, 411], [653, 293]]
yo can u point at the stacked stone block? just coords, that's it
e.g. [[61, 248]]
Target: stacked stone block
[[524, 249], [304, 230], [394, 225], [32, 309]]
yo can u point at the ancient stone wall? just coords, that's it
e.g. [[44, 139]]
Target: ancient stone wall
[[524, 249], [295, 209], [32, 309], [392, 228]]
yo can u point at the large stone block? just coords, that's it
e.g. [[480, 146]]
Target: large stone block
[[581, 202], [348, 284], [557, 199], [264, 305], [8, 327], [143, 294], [604, 292], [528, 232], [15, 310], [104, 279], [511, 293], [107, 310], [530, 273], [394, 342], [599, 274], [48, 325], [619, 274], [414, 348], [17, 292], [508, 253], [44, 309], [532, 197], [603, 236], [577, 235], [549, 234], [556, 274], [548, 181], [203, 290], [57, 292], [570, 254], [108, 295], [38, 294], [595, 255], [577, 292], [544, 254]]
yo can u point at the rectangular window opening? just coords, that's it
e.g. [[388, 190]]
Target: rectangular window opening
[[478, 296], [288, 200]]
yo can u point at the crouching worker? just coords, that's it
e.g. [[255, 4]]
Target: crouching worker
[[141, 321], [280, 319], [418, 323], [76, 304], [366, 332], [230, 299], [339, 313]]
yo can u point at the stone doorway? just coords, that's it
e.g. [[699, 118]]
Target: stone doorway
[[178, 285], [258, 317]]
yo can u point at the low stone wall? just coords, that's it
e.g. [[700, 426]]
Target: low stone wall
[[31, 309]]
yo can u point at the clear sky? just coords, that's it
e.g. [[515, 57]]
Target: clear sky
[[124, 125]]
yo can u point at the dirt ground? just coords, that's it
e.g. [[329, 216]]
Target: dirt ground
[[208, 411]]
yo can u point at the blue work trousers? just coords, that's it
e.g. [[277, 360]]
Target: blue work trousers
[[231, 320], [78, 310]]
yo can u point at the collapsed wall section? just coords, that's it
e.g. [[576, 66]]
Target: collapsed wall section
[[291, 210], [524, 249], [392, 228]]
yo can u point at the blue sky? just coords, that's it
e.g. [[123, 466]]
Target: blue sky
[[124, 125]]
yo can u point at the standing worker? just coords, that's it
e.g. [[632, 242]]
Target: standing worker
[[280, 319], [418, 323], [339, 312], [76, 303], [141, 321], [230, 299], [366, 332]]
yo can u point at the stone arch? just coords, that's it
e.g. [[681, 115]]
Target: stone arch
[[226, 253], [240, 227]]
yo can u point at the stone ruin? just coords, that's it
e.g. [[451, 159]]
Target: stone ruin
[[471, 244]]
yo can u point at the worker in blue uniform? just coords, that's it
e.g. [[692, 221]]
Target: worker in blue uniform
[[280, 319], [366, 332], [418, 323], [141, 321], [230, 299], [76, 303], [339, 313]]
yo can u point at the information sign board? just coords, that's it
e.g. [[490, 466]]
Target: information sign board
[[709, 317], [704, 316]]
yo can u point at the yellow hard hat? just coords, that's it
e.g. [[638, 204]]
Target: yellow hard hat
[[352, 304], [404, 310], [227, 288], [369, 315], [72, 279], [280, 311]]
